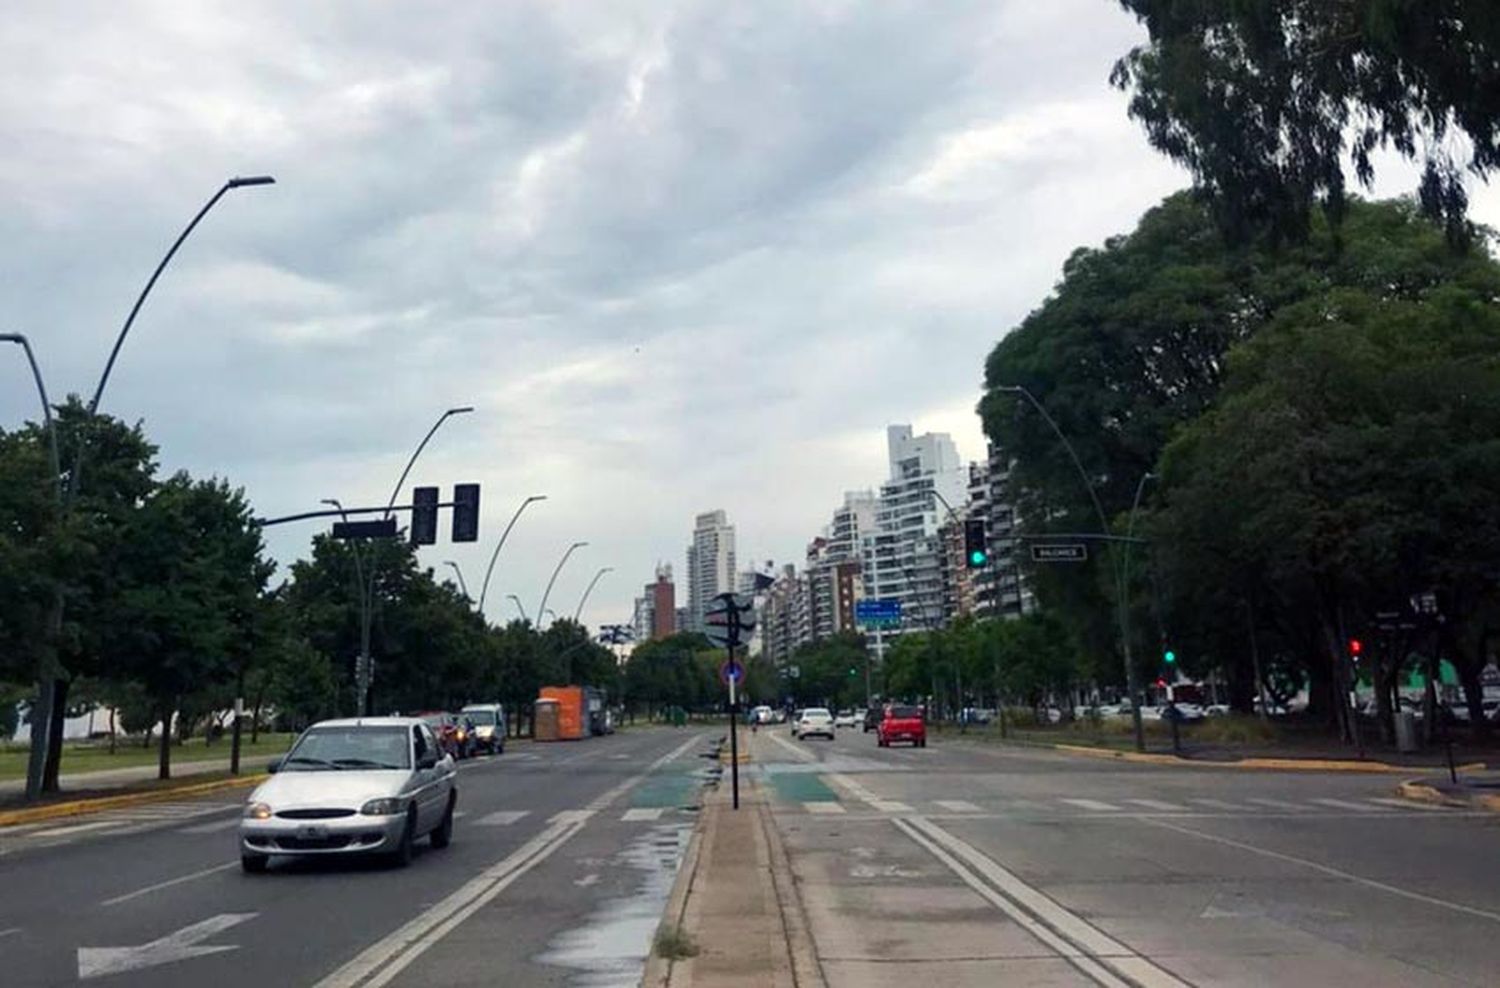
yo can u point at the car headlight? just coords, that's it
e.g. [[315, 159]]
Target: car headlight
[[462, 735], [258, 811], [388, 806]]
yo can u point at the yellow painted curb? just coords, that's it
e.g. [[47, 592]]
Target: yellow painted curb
[[1421, 792], [84, 807], [1280, 764]]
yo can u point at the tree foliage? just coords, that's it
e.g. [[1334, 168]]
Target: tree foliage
[[1267, 102]]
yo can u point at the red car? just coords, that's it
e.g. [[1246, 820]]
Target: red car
[[902, 722]]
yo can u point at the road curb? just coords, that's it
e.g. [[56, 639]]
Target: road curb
[[85, 807], [1419, 791], [807, 972], [658, 970], [1277, 764]]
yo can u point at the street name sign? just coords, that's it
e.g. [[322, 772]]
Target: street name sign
[[1060, 552]]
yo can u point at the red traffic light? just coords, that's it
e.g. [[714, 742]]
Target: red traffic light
[[1355, 647]]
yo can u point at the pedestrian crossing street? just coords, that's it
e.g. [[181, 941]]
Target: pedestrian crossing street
[[867, 803]]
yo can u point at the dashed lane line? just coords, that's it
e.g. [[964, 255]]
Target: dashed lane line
[[501, 818], [1091, 804], [1349, 804], [78, 828], [957, 805], [128, 896], [1158, 804]]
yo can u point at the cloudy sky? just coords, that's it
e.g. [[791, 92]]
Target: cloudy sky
[[679, 256]]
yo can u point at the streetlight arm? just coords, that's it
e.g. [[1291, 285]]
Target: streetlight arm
[[542, 607], [460, 574], [484, 588], [418, 452], [1083, 474], [519, 607], [582, 600], [41, 390]]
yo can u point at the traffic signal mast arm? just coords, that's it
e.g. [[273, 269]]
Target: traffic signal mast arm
[[335, 513]]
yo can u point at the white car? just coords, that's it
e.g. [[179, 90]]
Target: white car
[[367, 786], [814, 721], [848, 718]]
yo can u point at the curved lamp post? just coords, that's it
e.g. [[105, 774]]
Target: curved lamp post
[[584, 599], [542, 607], [41, 390], [1088, 485], [484, 588], [460, 410], [460, 574], [519, 607]]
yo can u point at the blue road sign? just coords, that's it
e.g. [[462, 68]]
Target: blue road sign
[[878, 612]]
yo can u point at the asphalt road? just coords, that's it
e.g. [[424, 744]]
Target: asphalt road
[[557, 874], [980, 865]]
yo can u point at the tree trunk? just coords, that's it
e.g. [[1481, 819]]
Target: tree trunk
[[41, 726], [58, 721], [164, 756], [255, 721], [111, 729]]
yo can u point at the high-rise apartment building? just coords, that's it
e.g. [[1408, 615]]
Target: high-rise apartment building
[[663, 595], [710, 561]]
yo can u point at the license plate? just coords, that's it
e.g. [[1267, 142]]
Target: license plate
[[312, 833]]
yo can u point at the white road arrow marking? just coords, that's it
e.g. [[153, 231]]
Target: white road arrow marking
[[96, 962], [586, 881]]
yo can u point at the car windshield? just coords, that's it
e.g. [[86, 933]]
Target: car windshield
[[436, 720], [904, 713], [481, 718], [324, 749]]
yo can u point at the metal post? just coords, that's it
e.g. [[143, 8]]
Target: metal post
[[734, 741], [484, 588], [462, 585], [519, 607], [542, 608], [577, 614]]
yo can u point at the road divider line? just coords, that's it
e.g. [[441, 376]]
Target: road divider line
[[169, 883], [1327, 870], [10, 932], [1105, 960], [501, 818], [387, 957], [1159, 804], [957, 805], [1092, 804], [78, 828]]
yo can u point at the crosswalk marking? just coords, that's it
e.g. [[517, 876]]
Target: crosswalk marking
[[1220, 804], [957, 806], [643, 813], [210, 828], [570, 816], [1407, 804], [1157, 804], [1345, 804], [890, 806], [77, 828], [824, 806], [1279, 804], [501, 818], [1091, 804]]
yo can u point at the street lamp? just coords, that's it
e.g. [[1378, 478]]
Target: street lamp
[[460, 574], [519, 607], [484, 589], [542, 607], [461, 410], [1088, 484], [41, 390], [581, 600]]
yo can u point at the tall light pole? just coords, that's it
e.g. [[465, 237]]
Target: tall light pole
[[396, 491], [366, 594], [542, 607], [1088, 484], [519, 607], [582, 600], [47, 668], [460, 574], [484, 588]]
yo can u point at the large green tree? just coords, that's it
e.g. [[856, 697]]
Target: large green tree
[[1271, 103]]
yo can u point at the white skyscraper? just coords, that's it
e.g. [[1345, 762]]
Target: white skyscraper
[[904, 558], [711, 568]]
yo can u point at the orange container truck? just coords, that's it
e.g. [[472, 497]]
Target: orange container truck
[[571, 725]]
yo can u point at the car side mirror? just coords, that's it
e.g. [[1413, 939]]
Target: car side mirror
[[428, 759], [273, 766]]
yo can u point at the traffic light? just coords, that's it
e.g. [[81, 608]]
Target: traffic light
[[1169, 657], [975, 550], [1355, 648], [466, 512], [424, 512]]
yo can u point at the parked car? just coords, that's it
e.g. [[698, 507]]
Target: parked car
[[796, 718], [1189, 713], [814, 722], [873, 717], [488, 720], [847, 718], [902, 722], [368, 786]]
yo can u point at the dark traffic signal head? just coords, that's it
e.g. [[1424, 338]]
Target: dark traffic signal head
[[424, 512], [976, 549], [466, 512]]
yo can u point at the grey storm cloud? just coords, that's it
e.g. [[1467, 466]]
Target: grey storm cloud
[[679, 256]]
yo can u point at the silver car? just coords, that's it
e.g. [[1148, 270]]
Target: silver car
[[367, 786]]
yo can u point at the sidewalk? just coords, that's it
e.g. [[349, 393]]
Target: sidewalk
[[121, 778], [735, 902]]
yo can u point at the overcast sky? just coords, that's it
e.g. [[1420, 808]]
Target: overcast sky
[[679, 256]]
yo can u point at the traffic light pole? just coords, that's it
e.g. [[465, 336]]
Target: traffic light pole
[[734, 740]]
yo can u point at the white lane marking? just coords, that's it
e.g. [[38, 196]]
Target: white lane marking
[[957, 805], [387, 957], [77, 828], [1106, 961], [1325, 869], [590, 879], [96, 962], [1158, 804], [168, 884], [1091, 804], [210, 828], [1220, 804], [501, 818], [570, 816], [824, 807], [1407, 804], [643, 813], [1280, 804], [460, 814], [865, 795], [799, 754], [1348, 804], [890, 806], [10, 932]]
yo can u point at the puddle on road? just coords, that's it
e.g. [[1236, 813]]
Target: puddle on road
[[609, 949]]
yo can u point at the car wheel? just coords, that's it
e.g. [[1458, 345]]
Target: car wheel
[[254, 864], [406, 850], [443, 835], [922, 743]]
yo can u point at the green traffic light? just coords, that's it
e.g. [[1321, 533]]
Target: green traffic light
[[977, 558], [1171, 657]]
